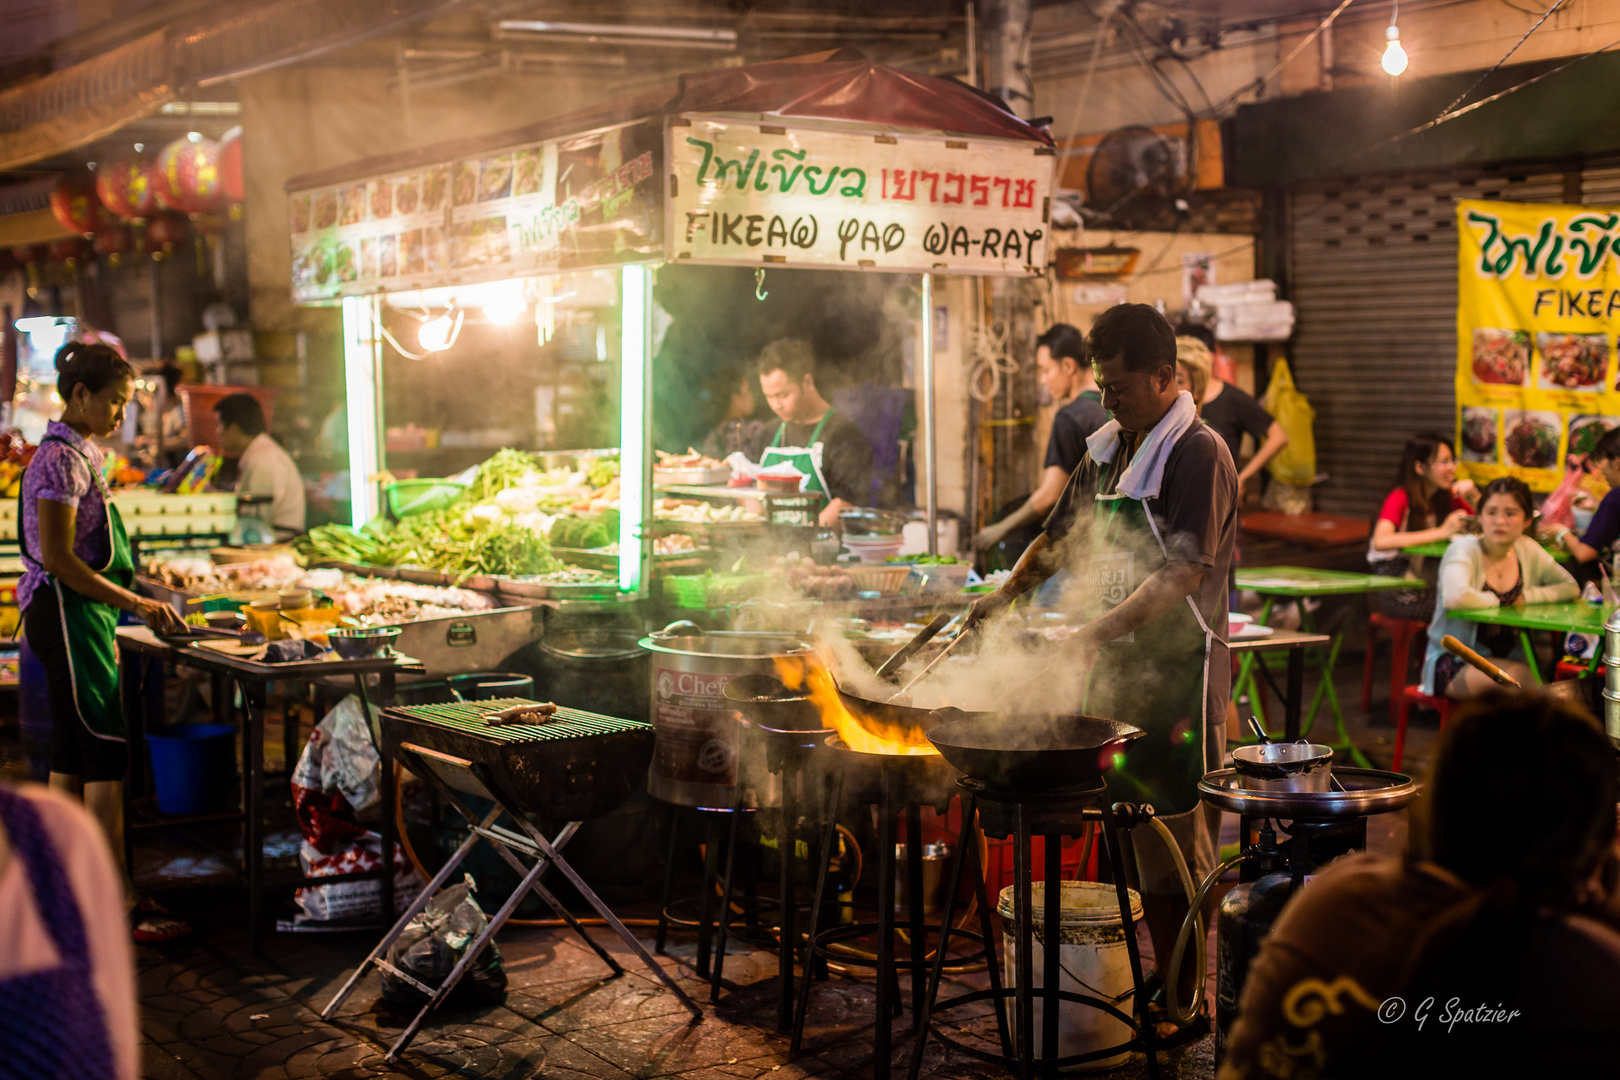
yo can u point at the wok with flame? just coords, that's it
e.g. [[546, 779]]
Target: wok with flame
[[1030, 752], [866, 727]]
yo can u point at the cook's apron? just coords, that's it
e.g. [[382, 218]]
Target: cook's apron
[[807, 459], [1157, 678], [51, 1023], [88, 625]]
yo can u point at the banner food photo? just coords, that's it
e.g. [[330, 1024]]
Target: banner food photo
[[1538, 295]]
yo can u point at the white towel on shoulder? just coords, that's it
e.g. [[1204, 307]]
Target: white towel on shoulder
[[1143, 476]]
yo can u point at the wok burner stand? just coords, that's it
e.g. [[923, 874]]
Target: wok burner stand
[[893, 786], [1023, 815], [530, 841], [720, 830]]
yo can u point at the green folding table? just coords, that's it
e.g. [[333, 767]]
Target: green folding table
[[1298, 582], [1437, 550], [1575, 617]]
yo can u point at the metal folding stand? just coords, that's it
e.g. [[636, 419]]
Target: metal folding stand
[[533, 843], [1053, 815]]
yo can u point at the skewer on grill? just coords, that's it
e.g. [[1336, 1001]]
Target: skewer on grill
[[522, 714]]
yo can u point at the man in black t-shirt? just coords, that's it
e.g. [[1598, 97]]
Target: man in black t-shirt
[[787, 379], [1061, 365]]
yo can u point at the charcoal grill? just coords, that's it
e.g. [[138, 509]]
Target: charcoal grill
[[574, 765]]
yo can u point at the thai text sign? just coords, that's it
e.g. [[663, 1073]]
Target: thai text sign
[[1538, 296], [563, 205], [755, 194]]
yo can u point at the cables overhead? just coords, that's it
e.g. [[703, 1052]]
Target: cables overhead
[[1494, 67]]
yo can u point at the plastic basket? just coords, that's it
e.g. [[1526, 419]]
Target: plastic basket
[[886, 580], [410, 497], [710, 591]]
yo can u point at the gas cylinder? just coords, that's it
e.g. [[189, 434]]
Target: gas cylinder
[[1246, 917]]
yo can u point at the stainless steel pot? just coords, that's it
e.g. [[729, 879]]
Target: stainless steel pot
[[695, 758], [1295, 766]]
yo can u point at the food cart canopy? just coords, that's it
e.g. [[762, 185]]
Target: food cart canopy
[[830, 161]]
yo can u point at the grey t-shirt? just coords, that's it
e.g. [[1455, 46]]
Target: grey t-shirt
[[1195, 511]]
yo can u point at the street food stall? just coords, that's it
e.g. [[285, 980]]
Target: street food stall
[[842, 165]]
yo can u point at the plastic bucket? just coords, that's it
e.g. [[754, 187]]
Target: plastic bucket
[[599, 669], [1094, 961], [193, 766]]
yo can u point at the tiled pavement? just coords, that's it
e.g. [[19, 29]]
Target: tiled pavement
[[212, 1011]]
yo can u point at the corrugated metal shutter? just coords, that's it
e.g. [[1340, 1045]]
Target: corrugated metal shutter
[[1373, 277]]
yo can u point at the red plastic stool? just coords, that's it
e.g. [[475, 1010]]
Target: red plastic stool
[[1574, 669], [1414, 695], [1401, 632]]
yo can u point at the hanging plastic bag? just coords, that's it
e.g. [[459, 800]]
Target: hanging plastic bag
[[337, 777], [1295, 464], [431, 946]]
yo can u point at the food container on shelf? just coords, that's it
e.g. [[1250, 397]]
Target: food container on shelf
[[265, 617], [778, 485], [695, 477], [884, 580], [872, 550], [937, 578]]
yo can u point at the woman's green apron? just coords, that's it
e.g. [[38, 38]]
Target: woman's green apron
[[807, 459], [88, 625], [1157, 678]]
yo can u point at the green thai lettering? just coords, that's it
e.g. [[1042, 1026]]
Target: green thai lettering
[[1591, 255], [722, 166], [1487, 265], [786, 179], [810, 180], [856, 190]]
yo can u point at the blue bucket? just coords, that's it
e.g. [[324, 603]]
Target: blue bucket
[[193, 766]]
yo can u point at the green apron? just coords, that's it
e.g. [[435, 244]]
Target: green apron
[[1155, 679], [807, 459], [88, 625]]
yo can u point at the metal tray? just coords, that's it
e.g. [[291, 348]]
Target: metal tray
[[540, 590]]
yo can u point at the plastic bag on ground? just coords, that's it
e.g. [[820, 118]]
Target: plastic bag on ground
[[431, 946], [346, 900], [338, 776], [1296, 463]]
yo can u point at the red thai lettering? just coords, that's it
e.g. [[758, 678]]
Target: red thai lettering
[[960, 181], [980, 187]]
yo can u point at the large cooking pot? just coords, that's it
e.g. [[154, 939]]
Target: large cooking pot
[[1284, 766], [695, 756], [778, 727]]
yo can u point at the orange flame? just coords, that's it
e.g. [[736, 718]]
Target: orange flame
[[864, 734]]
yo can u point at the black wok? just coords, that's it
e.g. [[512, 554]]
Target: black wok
[[1037, 752], [769, 703], [884, 719]]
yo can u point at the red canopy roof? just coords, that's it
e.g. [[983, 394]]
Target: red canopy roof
[[834, 88]]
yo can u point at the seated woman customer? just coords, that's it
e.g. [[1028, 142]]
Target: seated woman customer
[[1490, 950], [1428, 505], [1502, 567], [1604, 529]]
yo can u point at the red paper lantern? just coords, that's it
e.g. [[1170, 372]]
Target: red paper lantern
[[125, 187], [75, 204], [186, 176], [166, 229], [67, 250], [230, 165]]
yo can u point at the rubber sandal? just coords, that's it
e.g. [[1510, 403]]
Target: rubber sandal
[[152, 924]]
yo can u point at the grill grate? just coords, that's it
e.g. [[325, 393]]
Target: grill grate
[[467, 718]]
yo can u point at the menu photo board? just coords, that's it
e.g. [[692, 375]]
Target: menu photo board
[[1538, 311], [567, 204], [752, 193]]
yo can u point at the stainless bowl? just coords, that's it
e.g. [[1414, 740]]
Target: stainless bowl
[[362, 643]]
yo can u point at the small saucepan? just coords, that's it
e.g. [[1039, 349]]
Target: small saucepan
[[1295, 766]]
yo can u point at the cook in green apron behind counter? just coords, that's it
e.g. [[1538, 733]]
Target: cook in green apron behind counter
[[1146, 525], [77, 578], [820, 442]]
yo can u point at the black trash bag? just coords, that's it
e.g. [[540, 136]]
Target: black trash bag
[[431, 946]]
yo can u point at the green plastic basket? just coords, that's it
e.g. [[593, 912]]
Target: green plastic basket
[[710, 591], [410, 497]]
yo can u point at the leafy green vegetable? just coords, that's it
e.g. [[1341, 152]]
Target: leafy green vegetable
[[603, 471], [923, 560]]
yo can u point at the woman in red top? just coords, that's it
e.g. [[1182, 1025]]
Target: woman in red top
[[1428, 505]]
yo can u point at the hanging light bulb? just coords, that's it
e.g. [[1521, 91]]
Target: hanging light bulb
[[504, 302], [437, 335], [1394, 61]]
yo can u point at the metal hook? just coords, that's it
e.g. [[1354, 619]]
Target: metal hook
[[759, 284]]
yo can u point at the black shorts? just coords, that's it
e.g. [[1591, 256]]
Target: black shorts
[[75, 750]]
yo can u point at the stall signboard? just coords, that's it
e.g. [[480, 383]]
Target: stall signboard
[[754, 194], [570, 204], [1538, 308]]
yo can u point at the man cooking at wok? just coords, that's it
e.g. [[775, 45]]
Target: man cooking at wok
[[1147, 524]]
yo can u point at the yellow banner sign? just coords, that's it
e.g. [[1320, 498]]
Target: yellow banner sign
[[1538, 305]]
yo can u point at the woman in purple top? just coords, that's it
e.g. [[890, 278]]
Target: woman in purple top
[[77, 579]]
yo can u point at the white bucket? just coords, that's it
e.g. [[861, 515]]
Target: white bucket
[[1093, 960]]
